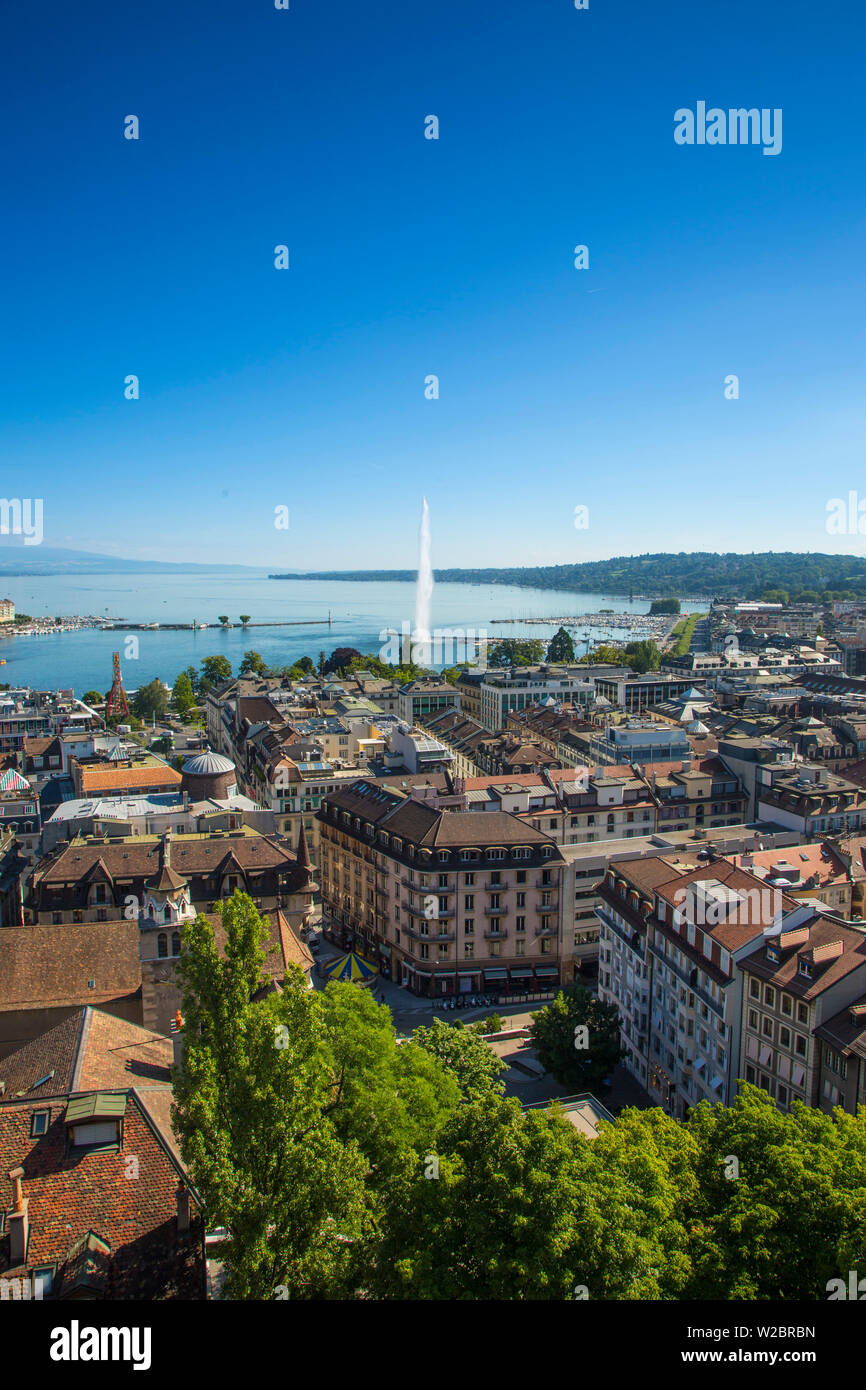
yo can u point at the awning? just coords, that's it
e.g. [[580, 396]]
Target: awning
[[96, 1106], [384, 950], [470, 976], [521, 974], [496, 974], [546, 970]]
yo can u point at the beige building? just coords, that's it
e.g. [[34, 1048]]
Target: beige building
[[443, 902], [798, 980]]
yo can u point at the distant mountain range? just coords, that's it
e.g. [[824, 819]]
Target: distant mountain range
[[699, 574], [18, 559]]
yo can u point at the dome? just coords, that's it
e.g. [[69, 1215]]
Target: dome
[[207, 764]]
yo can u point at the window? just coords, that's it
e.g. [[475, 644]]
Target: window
[[96, 1134], [520, 924], [753, 1019], [782, 1094], [754, 989], [175, 943], [162, 945], [39, 1123], [521, 900], [469, 901], [469, 926], [785, 1036], [469, 880], [521, 875], [799, 1045], [787, 1005], [769, 996], [802, 1013], [43, 1280]]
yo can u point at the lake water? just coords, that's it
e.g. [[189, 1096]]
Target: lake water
[[359, 613]]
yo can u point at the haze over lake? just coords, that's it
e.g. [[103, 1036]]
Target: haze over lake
[[359, 612]]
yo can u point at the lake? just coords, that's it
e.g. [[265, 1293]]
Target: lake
[[359, 613]]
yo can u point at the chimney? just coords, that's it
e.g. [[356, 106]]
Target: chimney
[[19, 1221], [183, 1209], [177, 1039]]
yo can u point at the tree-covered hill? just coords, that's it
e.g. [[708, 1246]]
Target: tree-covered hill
[[696, 574]]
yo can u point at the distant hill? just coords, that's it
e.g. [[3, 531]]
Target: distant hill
[[18, 559], [698, 574]]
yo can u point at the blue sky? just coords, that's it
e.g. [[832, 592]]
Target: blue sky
[[305, 388]]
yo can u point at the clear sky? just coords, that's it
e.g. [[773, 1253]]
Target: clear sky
[[409, 257]]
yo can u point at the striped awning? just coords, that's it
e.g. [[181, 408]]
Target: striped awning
[[350, 967]]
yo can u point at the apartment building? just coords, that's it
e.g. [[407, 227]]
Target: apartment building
[[19, 810], [637, 741], [7, 610], [842, 1070], [696, 795], [94, 879], [670, 944], [462, 735], [517, 688], [443, 902], [810, 799], [118, 775], [636, 694], [422, 698], [26, 714], [803, 973], [806, 871], [587, 864]]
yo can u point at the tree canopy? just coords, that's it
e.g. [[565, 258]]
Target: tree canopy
[[346, 1163]]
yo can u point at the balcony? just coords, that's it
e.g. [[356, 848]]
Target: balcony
[[431, 936], [496, 934], [496, 887], [419, 912], [545, 931], [495, 911]]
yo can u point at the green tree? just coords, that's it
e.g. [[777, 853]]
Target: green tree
[[151, 700], [664, 605], [515, 651], [253, 1104], [561, 647], [223, 618], [93, 697], [643, 657], [182, 694], [469, 1059], [576, 1037], [214, 670], [604, 655], [339, 660], [253, 664], [245, 617], [506, 1218], [791, 1215], [306, 664]]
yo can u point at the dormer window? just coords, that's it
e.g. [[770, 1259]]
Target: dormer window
[[496, 854], [96, 1121], [804, 967], [773, 954]]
